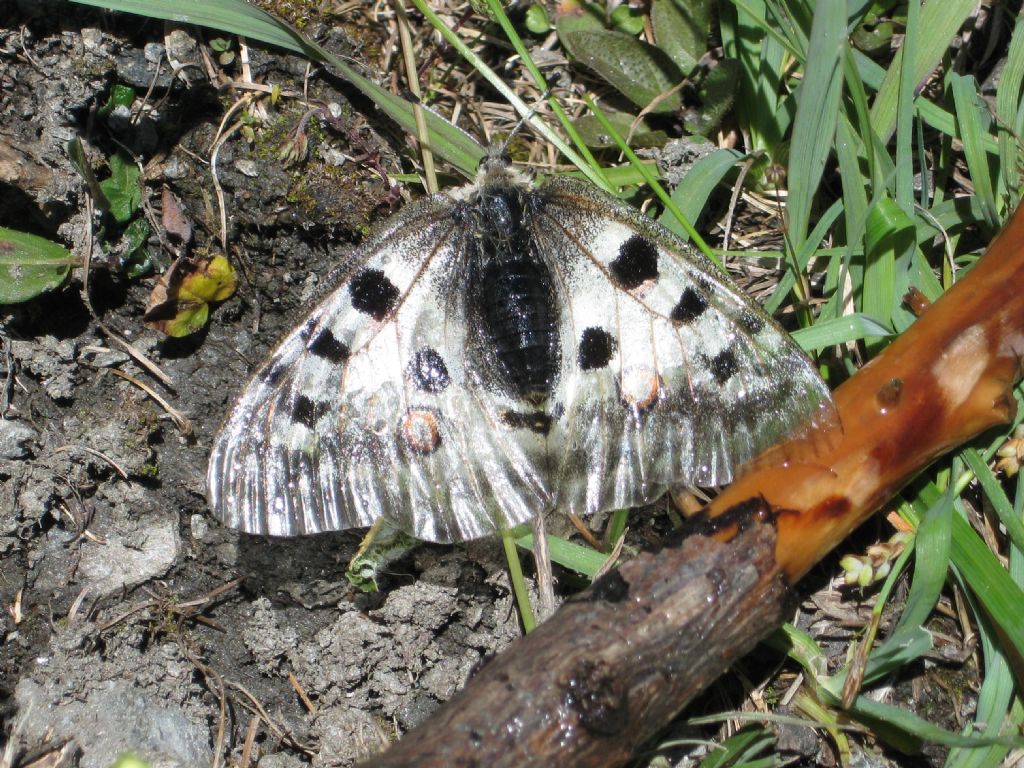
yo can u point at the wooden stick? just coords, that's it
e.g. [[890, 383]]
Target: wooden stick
[[619, 661], [945, 380]]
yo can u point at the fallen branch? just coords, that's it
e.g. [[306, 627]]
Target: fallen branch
[[616, 663]]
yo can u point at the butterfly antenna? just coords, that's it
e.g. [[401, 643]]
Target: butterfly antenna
[[502, 149]]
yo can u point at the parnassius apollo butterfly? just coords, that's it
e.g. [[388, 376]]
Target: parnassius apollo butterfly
[[499, 352]]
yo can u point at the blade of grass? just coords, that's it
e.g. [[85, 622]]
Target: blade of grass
[[499, 15], [838, 330], [903, 180], [1008, 98], [693, 191], [803, 257], [652, 181], [576, 557], [816, 114], [968, 118], [996, 495], [519, 588]]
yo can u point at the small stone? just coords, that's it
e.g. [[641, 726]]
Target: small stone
[[200, 525], [248, 168], [153, 52], [92, 39], [13, 438]]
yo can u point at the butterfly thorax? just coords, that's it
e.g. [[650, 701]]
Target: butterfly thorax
[[510, 296]]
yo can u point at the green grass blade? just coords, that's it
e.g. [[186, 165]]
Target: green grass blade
[[692, 193], [519, 588], [510, 95], [575, 557], [981, 571], [903, 180], [838, 330], [816, 114], [932, 545], [1008, 103], [996, 495], [498, 13], [651, 179], [968, 117], [803, 256], [888, 237]]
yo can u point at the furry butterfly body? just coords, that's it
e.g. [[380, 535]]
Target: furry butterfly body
[[499, 352]]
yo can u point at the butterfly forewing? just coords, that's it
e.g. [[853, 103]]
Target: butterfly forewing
[[394, 398]]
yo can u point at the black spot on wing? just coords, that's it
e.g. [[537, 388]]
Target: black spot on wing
[[428, 371], [373, 294], [307, 412], [723, 365], [327, 346], [636, 263], [596, 348], [535, 421], [690, 306]]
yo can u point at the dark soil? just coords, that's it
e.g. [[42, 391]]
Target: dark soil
[[133, 621]]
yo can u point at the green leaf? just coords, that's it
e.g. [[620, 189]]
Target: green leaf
[[627, 19], [716, 95], [996, 495], [942, 20], [594, 135], [969, 115], [574, 17], [838, 330], [76, 154], [888, 235], [568, 554], [120, 96], [1008, 99], [692, 193], [639, 71], [122, 188], [537, 21], [681, 30], [30, 265]]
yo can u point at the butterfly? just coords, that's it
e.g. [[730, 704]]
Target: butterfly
[[501, 351]]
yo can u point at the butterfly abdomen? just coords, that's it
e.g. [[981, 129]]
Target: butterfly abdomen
[[511, 295], [519, 322]]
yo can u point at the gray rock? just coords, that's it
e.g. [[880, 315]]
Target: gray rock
[[110, 720], [13, 438], [122, 563]]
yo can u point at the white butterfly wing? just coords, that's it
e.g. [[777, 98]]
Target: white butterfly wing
[[368, 410], [676, 377]]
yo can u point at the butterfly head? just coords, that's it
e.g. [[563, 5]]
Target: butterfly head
[[496, 169]]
